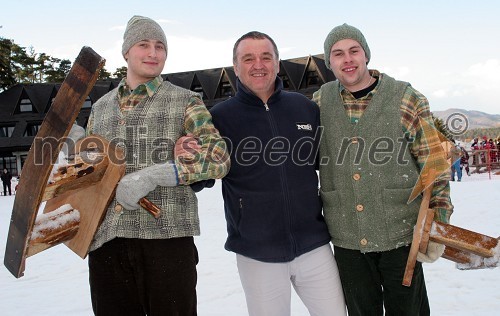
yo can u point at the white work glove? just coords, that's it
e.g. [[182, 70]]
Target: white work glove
[[434, 251], [136, 185], [75, 134]]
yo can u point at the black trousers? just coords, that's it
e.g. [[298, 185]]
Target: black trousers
[[372, 282], [5, 186], [144, 277]]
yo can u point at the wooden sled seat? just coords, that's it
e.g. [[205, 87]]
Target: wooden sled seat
[[86, 185]]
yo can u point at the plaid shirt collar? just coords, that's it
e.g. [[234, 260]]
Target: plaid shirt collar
[[148, 88], [374, 73]]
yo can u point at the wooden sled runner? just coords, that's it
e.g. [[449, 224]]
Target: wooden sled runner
[[470, 250], [36, 170]]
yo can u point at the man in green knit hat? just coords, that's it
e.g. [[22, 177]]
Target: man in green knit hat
[[378, 137]]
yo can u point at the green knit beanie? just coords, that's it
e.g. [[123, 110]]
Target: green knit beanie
[[141, 28], [341, 32]]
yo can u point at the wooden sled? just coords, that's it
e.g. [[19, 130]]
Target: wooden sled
[[43, 154], [470, 250], [86, 186], [78, 198], [81, 191]]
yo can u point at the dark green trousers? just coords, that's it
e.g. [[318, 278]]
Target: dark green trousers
[[372, 283]]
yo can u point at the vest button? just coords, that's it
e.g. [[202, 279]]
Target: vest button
[[118, 208], [354, 140], [359, 208], [356, 176], [363, 242]]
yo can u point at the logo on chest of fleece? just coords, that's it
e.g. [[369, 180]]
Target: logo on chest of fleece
[[304, 127]]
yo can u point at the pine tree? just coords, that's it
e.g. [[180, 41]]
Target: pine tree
[[120, 72], [58, 71], [441, 127], [7, 77], [104, 74]]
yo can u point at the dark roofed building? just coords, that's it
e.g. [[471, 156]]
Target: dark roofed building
[[23, 106]]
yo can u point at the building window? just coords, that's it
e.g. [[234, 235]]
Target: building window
[[6, 131], [88, 103], [32, 129], [199, 90], [25, 106], [311, 78], [23, 160], [10, 164], [225, 89], [286, 82]]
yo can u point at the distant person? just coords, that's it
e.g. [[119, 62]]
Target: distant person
[[493, 153], [365, 187], [474, 147], [497, 146], [274, 218], [6, 181], [484, 145], [455, 155], [484, 142], [464, 160]]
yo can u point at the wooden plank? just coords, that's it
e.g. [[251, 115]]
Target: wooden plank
[[429, 218], [43, 153], [456, 255], [463, 239], [92, 201], [417, 236], [52, 229], [73, 177], [470, 261]]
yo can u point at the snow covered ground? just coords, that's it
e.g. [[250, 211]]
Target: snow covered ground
[[56, 280]]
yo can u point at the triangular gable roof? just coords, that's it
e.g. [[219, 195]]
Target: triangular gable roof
[[9, 99], [295, 69], [231, 75], [197, 87], [25, 95], [224, 78], [40, 95], [209, 80], [181, 79], [325, 73], [51, 97], [310, 67]]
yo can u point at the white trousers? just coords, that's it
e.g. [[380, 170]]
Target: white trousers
[[314, 276]]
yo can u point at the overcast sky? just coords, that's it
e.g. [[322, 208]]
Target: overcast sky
[[448, 50]]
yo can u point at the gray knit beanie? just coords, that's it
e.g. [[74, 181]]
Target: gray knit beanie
[[141, 28], [341, 32]]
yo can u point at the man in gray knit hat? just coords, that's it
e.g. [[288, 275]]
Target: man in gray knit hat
[[366, 194], [139, 264]]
